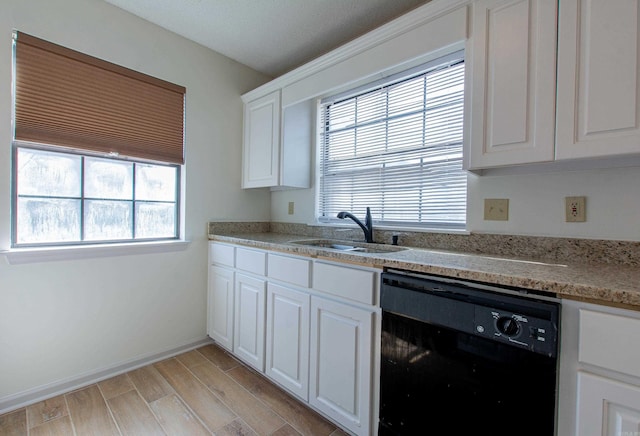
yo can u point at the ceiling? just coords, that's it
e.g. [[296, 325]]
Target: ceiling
[[270, 36]]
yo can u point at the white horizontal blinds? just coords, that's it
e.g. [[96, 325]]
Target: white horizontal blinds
[[68, 99], [398, 150]]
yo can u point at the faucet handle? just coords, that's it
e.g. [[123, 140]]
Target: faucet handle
[[395, 236]]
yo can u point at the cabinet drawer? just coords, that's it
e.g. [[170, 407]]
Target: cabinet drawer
[[354, 284], [290, 269], [221, 254], [610, 341], [252, 261]]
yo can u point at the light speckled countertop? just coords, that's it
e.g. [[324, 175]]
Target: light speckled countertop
[[598, 283]]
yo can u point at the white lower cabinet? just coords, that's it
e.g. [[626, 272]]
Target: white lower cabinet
[[341, 363], [248, 339], [607, 407], [287, 354], [311, 326], [608, 404], [599, 380], [220, 306]]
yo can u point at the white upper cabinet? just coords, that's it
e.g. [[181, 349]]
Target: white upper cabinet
[[514, 95], [598, 83], [276, 144], [511, 69], [261, 142]]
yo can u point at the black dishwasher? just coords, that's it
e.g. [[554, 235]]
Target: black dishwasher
[[461, 358]]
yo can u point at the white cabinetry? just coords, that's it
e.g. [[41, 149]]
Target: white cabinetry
[[342, 344], [277, 143], [220, 306], [341, 357], [611, 342], [220, 294], [288, 323], [236, 301], [248, 339], [250, 306], [512, 73], [598, 79], [607, 407], [514, 95], [261, 142], [600, 380], [288, 338], [312, 326]]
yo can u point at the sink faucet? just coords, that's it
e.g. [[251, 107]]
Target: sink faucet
[[367, 227]]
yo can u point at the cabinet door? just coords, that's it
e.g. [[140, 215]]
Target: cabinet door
[[248, 342], [261, 142], [341, 363], [607, 407], [287, 359], [598, 94], [220, 306], [512, 70]]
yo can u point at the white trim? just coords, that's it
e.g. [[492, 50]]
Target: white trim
[[423, 68], [403, 24], [562, 166], [49, 390], [17, 256]]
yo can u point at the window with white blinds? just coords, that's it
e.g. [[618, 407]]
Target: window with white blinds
[[398, 150]]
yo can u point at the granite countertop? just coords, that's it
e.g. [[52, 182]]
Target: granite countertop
[[617, 285]]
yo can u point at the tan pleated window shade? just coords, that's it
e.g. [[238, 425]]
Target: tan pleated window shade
[[69, 99]]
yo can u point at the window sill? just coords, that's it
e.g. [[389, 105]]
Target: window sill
[[17, 256]]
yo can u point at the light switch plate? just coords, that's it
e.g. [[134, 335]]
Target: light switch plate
[[496, 209], [575, 209], [291, 206]]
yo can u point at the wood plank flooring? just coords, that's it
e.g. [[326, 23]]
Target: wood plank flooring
[[201, 392]]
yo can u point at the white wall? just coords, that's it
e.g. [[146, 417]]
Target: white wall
[[62, 319], [536, 203]]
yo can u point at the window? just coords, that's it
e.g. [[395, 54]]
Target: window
[[63, 197], [397, 149], [97, 150]]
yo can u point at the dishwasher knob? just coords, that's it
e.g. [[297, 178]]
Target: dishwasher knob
[[508, 326]]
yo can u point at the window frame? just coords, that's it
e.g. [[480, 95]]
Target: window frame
[[432, 65], [83, 242]]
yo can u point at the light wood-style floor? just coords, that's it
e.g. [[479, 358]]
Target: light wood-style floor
[[201, 392]]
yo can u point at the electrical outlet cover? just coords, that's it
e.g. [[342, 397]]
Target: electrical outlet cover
[[496, 209], [575, 209]]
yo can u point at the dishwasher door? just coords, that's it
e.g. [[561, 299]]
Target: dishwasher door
[[451, 380]]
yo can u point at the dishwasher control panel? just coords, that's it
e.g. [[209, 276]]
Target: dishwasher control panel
[[535, 334]]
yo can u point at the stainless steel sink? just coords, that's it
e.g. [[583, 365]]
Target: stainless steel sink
[[349, 246]]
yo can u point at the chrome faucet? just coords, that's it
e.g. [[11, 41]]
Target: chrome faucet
[[367, 227]]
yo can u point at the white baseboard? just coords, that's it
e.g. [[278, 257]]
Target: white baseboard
[[34, 395]]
